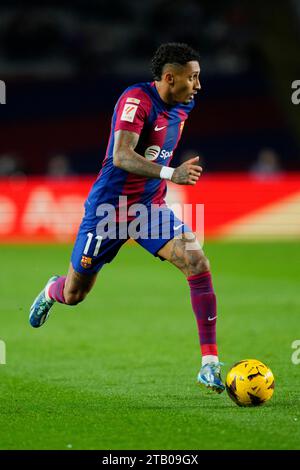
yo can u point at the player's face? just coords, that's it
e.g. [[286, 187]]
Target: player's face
[[186, 82]]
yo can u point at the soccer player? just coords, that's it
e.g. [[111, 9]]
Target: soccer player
[[146, 126]]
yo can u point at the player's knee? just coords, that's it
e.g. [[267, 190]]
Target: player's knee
[[74, 297], [198, 263]]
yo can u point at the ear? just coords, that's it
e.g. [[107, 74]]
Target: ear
[[169, 78]]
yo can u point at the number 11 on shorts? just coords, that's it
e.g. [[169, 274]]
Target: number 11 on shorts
[[89, 241]]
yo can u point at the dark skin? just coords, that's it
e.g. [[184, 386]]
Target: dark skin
[[178, 84], [127, 159]]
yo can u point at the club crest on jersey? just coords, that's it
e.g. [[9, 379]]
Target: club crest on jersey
[[86, 262], [152, 152], [129, 112]]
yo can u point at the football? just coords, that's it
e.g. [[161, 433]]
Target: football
[[250, 383]]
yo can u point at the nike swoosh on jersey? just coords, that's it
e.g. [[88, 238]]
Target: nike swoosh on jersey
[[159, 128], [211, 318], [176, 227]]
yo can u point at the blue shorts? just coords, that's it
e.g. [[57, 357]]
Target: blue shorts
[[100, 238]]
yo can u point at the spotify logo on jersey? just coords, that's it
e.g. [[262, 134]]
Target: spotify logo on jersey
[[152, 152]]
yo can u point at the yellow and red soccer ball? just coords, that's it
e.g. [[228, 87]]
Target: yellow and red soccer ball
[[250, 383]]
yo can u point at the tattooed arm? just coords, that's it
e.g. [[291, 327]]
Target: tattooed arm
[[125, 157]]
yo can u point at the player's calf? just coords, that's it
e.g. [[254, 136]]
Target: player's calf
[[190, 259], [68, 290], [74, 297], [77, 286]]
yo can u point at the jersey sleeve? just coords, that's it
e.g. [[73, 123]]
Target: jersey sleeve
[[132, 110]]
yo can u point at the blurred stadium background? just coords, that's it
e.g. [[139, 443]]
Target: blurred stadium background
[[64, 66]]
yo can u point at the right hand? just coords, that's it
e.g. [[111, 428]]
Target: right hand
[[188, 172]]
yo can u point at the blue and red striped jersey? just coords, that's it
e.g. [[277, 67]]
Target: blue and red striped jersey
[[140, 109]]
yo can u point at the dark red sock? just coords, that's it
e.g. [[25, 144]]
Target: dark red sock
[[205, 308], [56, 290]]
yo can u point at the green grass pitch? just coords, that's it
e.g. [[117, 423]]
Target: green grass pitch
[[119, 370]]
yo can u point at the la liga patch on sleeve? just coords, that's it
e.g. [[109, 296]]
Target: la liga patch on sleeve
[[129, 112]]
